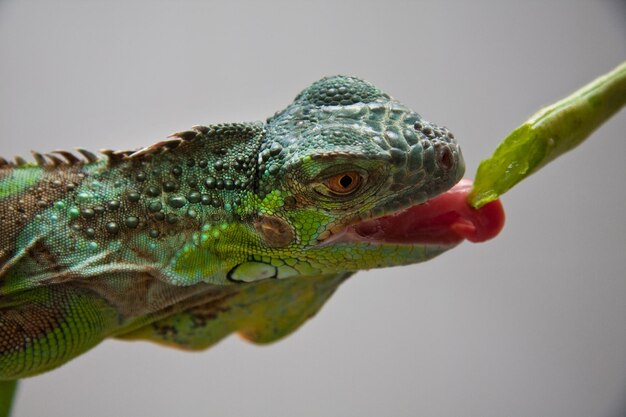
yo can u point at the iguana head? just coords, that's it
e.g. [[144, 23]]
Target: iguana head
[[347, 178]]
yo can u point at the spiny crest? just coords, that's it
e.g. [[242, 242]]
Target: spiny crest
[[223, 130], [52, 159], [67, 158], [171, 142]]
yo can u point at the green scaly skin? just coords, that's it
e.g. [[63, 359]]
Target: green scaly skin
[[217, 229]]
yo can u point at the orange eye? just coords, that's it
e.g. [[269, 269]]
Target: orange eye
[[344, 183]]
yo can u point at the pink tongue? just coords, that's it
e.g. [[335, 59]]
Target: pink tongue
[[446, 219]]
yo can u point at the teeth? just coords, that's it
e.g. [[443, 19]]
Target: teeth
[[393, 206], [405, 202]]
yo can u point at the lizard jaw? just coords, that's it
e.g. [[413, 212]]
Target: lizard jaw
[[444, 220]]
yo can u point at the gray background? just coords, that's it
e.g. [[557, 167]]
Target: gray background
[[530, 324]]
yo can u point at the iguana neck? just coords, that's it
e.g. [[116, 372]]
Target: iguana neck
[[217, 168], [142, 208]]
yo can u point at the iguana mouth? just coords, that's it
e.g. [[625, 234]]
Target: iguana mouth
[[444, 220]]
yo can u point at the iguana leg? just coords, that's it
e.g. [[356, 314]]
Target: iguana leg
[[7, 395], [261, 312], [45, 327]]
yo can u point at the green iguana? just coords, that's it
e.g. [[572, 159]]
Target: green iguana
[[243, 227], [247, 227]]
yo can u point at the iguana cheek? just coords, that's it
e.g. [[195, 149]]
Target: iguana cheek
[[276, 232]]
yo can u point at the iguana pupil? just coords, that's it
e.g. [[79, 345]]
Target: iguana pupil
[[345, 181], [343, 184]]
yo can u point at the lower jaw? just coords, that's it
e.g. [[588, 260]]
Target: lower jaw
[[355, 256]]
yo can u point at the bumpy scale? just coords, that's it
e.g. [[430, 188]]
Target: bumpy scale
[[245, 227]]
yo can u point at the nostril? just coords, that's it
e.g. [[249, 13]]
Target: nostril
[[445, 158]]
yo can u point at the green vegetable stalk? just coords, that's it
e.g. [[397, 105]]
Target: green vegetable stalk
[[548, 134], [7, 392]]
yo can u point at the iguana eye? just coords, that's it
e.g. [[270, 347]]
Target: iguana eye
[[344, 183]]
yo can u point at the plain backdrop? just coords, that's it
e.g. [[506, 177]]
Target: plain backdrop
[[532, 323]]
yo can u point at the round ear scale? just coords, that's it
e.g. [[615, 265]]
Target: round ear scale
[[276, 232], [344, 183]]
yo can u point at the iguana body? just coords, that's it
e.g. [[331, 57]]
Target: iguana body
[[245, 227]]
